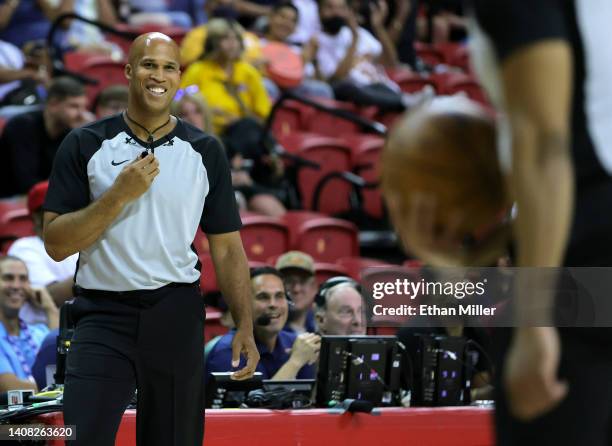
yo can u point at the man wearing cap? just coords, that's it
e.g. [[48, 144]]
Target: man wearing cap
[[297, 270], [56, 277]]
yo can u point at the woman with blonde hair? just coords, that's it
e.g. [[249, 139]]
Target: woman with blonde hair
[[233, 88]]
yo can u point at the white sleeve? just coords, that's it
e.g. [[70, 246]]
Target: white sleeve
[[369, 44], [39, 272], [326, 60]]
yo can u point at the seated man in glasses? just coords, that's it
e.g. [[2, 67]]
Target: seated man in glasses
[[297, 270]]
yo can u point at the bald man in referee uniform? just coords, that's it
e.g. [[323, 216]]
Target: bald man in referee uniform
[[128, 193]]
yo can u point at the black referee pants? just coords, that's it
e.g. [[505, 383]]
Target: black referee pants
[[151, 341]]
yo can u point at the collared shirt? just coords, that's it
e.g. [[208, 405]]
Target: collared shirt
[[213, 84], [9, 360], [148, 245], [220, 358]]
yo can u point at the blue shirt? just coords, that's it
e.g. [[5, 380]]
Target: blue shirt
[[27, 23], [220, 357], [47, 355], [9, 361]]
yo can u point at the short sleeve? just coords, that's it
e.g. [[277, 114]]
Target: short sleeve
[[371, 45], [512, 24], [326, 61], [68, 185], [220, 209]]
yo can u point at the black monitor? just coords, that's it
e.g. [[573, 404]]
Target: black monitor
[[359, 367]]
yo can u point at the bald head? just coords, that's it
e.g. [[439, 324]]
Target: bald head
[[148, 41]]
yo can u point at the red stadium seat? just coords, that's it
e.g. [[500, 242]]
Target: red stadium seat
[[77, 60], [333, 155], [326, 124], [408, 80], [429, 54], [263, 237], [356, 265], [324, 271], [366, 160], [14, 224], [326, 239], [213, 326], [292, 116], [294, 220], [106, 71], [208, 279], [2, 124]]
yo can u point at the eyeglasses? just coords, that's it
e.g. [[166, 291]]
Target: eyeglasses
[[189, 90]]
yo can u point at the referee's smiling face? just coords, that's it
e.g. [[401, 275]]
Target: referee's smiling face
[[153, 72]]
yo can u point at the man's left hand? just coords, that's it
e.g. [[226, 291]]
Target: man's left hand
[[244, 343]]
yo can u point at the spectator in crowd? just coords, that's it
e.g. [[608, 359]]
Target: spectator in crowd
[[191, 107], [283, 355], [30, 140], [400, 24], [353, 60], [18, 80], [193, 44], [22, 21], [340, 308], [56, 277], [281, 25], [112, 100], [82, 36], [19, 341], [233, 88], [159, 12], [235, 92], [308, 24], [297, 270]]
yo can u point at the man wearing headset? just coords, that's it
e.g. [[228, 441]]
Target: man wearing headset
[[340, 308], [284, 355]]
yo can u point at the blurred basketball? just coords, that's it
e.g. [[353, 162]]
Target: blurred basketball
[[444, 153]]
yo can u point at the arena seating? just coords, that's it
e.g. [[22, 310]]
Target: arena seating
[[324, 238], [14, 223], [106, 71], [263, 237], [333, 155]]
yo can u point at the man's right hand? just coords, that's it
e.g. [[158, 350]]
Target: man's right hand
[[136, 178], [530, 374], [306, 348]]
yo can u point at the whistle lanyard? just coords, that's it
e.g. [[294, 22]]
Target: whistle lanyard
[[17, 346]]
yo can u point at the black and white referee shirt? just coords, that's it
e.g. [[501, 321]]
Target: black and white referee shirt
[[149, 245], [505, 26]]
